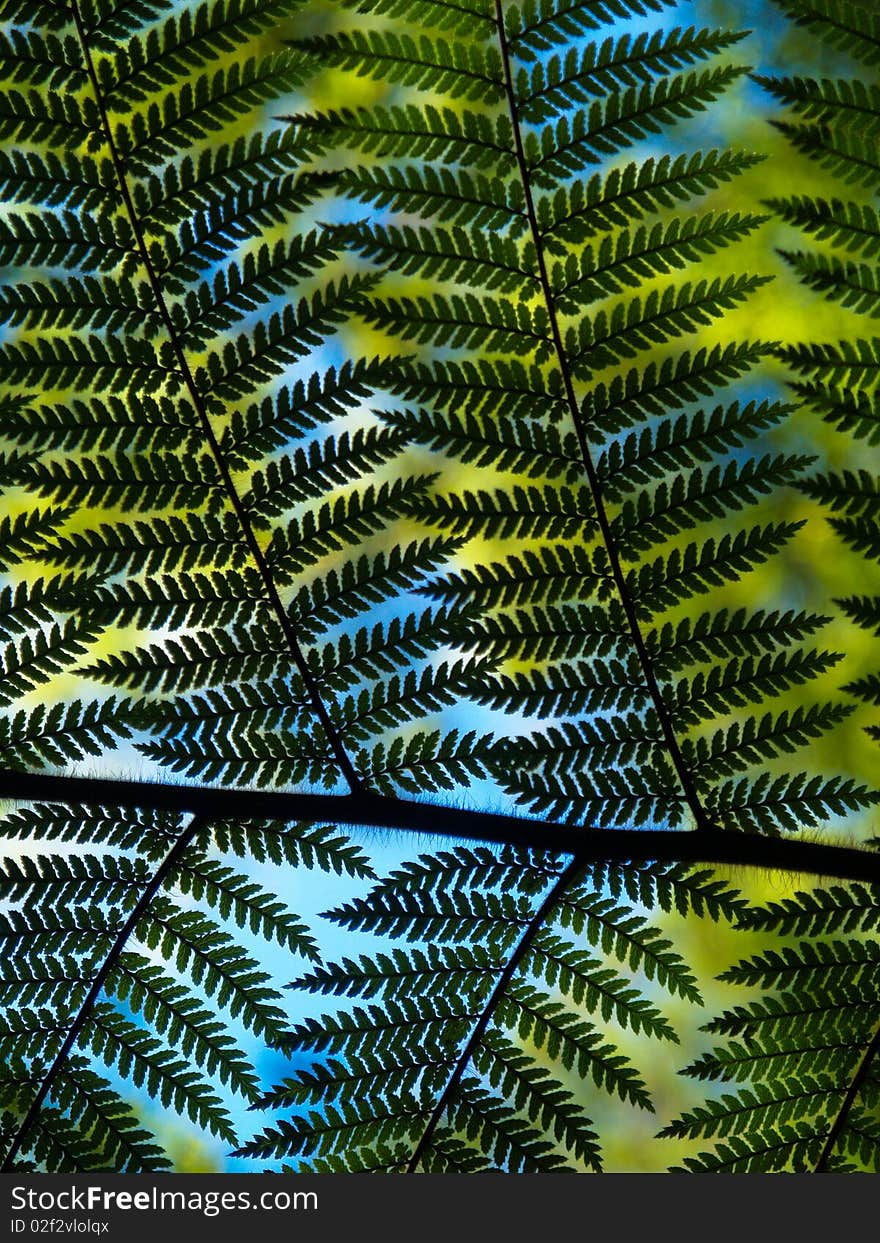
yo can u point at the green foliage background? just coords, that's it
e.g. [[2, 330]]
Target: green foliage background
[[812, 570]]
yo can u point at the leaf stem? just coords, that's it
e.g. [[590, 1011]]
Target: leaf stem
[[855, 1086], [587, 842], [570, 875], [701, 820], [334, 740], [137, 912]]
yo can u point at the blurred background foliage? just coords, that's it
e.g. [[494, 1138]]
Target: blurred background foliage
[[813, 570]]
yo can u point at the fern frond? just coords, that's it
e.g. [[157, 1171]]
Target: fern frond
[[807, 1050], [518, 575]]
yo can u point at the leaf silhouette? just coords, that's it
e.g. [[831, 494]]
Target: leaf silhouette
[[313, 591]]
